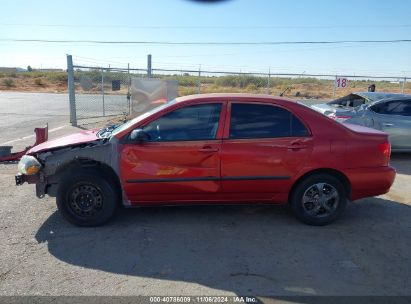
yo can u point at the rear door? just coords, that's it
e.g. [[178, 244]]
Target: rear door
[[394, 117], [264, 147], [181, 159]]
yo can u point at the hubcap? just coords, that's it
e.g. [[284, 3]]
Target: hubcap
[[320, 200], [85, 200]]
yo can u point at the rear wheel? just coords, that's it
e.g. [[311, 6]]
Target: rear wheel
[[87, 198], [318, 199]]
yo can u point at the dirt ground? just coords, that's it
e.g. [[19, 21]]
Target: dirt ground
[[254, 250]]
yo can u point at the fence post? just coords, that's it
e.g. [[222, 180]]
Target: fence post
[[71, 90], [403, 85], [149, 69], [102, 90], [268, 80], [199, 79], [335, 81]]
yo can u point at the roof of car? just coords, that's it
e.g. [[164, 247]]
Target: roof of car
[[399, 98], [373, 96], [226, 96]]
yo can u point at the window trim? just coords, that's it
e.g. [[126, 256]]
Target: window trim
[[226, 134]]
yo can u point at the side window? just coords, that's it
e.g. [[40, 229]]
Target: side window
[[399, 107], [377, 108], [199, 122], [263, 121], [297, 127]]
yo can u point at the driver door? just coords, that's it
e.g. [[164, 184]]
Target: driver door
[[181, 159]]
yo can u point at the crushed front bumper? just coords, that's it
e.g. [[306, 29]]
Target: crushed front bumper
[[39, 180], [20, 179]]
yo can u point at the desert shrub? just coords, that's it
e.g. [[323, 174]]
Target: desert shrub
[[8, 82], [241, 81], [38, 81], [183, 91], [251, 87], [57, 76]]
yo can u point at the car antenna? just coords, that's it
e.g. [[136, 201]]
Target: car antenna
[[283, 92]]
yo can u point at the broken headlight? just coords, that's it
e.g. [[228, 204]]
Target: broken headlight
[[29, 165]]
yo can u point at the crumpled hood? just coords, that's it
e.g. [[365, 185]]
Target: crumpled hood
[[73, 139]]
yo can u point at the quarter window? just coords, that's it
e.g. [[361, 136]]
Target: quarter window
[[199, 122], [264, 121]]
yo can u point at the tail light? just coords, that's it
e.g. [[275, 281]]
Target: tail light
[[385, 149]]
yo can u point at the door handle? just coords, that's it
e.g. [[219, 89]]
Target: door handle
[[208, 149], [387, 124], [296, 146]]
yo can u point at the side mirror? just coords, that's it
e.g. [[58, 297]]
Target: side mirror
[[139, 135]]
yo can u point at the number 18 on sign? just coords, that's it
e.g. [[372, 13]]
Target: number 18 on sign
[[341, 82]]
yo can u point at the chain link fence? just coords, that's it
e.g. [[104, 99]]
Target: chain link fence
[[102, 93]]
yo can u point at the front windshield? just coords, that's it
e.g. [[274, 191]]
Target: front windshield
[[135, 120]]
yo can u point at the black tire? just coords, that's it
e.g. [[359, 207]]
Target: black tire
[[318, 207], [87, 197]]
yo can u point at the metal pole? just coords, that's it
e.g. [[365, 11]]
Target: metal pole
[[335, 82], [71, 90], [268, 80], [199, 79], [149, 70], [403, 85], [128, 89], [102, 91]]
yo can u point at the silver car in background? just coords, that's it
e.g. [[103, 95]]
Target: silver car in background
[[391, 115], [340, 108]]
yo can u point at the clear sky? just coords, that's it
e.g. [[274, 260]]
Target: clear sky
[[230, 21]]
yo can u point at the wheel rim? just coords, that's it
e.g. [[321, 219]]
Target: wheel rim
[[85, 200], [320, 200]]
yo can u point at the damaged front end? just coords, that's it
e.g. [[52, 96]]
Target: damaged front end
[[55, 162]]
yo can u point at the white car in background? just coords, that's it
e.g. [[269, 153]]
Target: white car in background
[[341, 109]]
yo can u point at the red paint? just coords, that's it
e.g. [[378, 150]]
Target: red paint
[[73, 139]]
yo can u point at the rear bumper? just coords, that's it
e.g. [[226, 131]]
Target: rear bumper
[[366, 182]]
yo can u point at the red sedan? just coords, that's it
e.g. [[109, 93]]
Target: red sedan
[[213, 149]]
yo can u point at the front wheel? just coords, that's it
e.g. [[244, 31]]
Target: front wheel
[[87, 198], [318, 199]]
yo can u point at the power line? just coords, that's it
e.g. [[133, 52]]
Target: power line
[[213, 26], [209, 42]]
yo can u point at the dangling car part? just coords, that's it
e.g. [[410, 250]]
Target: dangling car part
[[42, 135]]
